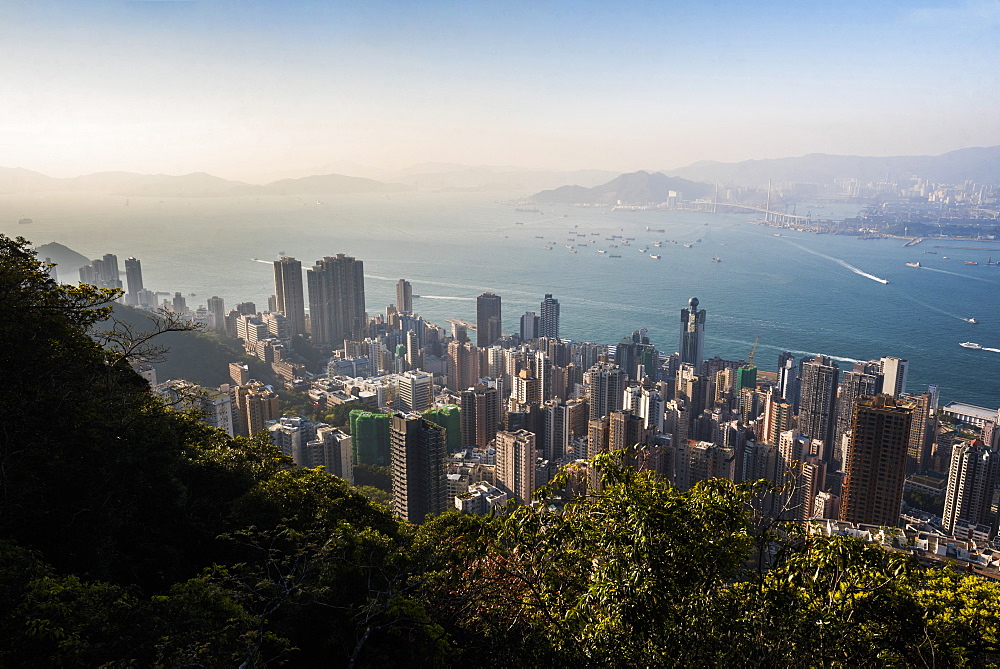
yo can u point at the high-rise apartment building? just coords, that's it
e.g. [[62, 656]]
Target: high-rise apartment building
[[788, 379], [336, 300], [216, 310], [548, 325], [876, 461], [480, 415], [605, 383], [972, 478], [818, 401], [404, 295], [860, 381], [419, 483], [370, 437], [529, 326], [256, 404], [893, 371], [516, 459], [288, 294], [488, 320], [692, 343]]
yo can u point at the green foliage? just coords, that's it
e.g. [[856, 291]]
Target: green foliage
[[374, 476], [924, 501], [339, 415]]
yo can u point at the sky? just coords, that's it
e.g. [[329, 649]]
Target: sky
[[259, 90]]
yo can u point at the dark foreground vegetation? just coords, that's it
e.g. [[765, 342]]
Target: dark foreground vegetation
[[131, 535]]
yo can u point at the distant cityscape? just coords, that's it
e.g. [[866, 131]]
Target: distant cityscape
[[473, 424]]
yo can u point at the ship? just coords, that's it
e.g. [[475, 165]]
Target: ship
[[991, 262], [614, 255], [25, 221], [649, 229], [548, 248], [654, 257], [716, 259], [687, 246], [601, 251], [933, 253], [970, 319], [971, 262], [969, 344], [777, 234], [882, 281], [913, 264]]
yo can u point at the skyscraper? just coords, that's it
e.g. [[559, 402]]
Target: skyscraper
[[515, 469], [818, 401], [133, 275], [488, 320], [404, 295], [605, 384], [788, 379], [692, 334], [415, 391], [217, 310], [971, 480], [861, 381], [289, 298], [336, 299], [480, 415], [529, 326], [876, 461], [417, 451], [893, 371], [549, 321]]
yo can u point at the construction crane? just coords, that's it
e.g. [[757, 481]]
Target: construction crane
[[752, 351]]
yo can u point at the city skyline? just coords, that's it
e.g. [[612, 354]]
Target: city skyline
[[179, 87]]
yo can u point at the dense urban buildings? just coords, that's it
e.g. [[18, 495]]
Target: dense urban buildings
[[336, 299], [488, 320], [288, 293]]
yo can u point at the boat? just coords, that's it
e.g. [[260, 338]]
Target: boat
[[969, 344], [777, 234], [882, 281], [971, 262], [944, 257], [990, 261], [687, 246], [649, 229], [654, 257], [25, 221], [716, 259], [933, 253], [913, 264], [614, 255], [548, 248], [970, 319], [601, 251]]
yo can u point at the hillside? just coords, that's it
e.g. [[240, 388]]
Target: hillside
[[634, 188], [981, 165]]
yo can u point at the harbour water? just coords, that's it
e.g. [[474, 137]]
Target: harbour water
[[798, 292]]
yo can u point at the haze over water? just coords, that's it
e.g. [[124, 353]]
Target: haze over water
[[799, 292]]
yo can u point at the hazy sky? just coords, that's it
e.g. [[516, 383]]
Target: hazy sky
[[261, 89]]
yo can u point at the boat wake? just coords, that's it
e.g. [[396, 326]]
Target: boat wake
[[964, 276], [933, 308], [842, 263], [446, 297], [266, 262], [995, 350]]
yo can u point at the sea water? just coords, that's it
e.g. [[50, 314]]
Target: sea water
[[797, 292]]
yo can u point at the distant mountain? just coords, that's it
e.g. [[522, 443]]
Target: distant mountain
[[634, 188], [330, 184], [449, 176], [981, 165], [197, 184], [68, 262]]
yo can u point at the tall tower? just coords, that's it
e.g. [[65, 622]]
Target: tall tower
[[861, 381], [971, 479], [605, 383], [893, 371], [336, 299], [404, 295], [488, 320], [480, 415], [289, 298], [529, 326], [417, 452], [876, 461], [549, 324], [817, 405], [515, 470], [217, 309], [788, 379], [133, 275], [692, 333]]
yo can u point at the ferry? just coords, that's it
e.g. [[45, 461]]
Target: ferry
[[971, 262], [969, 344], [913, 264], [654, 257], [882, 281], [970, 319]]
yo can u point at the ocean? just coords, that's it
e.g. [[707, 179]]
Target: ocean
[[799, 292]]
